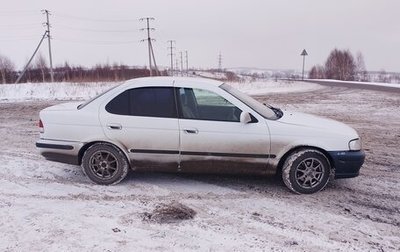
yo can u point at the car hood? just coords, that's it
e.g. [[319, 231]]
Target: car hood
[[69, 106], [317, 123]]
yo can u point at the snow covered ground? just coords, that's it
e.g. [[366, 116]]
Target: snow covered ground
[[48, 206], [52, 91], [83, 91]]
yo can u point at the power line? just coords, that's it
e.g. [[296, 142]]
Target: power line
[[19, 39], [93, 30], [95, 42], [25, 36], [94, 19], [23, 26], [19, 13]]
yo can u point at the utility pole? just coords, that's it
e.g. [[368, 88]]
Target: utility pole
[[304, 54], [176, 64], [187, 63], [154, 61], [220, 62], [47, 24], [149, 45], [171, 48], [181, 53]]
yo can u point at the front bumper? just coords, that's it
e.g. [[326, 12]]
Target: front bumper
[[347, 164], [60, 151]]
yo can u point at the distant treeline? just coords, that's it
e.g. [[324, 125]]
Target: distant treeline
[[39, 71], [68, 73], [342, 65]]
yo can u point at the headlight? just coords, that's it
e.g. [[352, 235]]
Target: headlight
[[355, 144]]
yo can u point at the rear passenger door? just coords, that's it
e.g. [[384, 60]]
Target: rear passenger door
[[144, 120]]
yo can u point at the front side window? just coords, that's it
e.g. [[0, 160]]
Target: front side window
[[146, 101], [200, 104], [263, 110]]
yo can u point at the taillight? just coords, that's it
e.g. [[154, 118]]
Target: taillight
[[41, 128]]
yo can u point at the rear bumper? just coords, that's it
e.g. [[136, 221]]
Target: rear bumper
[[347, 164], [60, 151]]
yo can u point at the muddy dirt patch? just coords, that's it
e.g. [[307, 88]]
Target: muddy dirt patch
[[169, 213]]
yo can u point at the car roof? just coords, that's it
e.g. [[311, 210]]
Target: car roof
[[170, 81]]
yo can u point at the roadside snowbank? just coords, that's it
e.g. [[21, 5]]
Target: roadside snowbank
[[271, 86], [361, 83], [83, 91]]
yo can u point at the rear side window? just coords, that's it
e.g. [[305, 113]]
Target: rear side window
[[147, 101], [120, 104], [154, 101]]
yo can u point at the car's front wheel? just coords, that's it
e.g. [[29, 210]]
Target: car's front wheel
[[104, 164], [306, 171]]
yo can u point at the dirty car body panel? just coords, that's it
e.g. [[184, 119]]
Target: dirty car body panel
[[193, 125]]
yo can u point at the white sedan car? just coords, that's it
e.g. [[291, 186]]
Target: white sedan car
[[199, 126]]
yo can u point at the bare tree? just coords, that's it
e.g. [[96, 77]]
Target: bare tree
[[7, 68], [29, 75], [66, 71], [361, 71], [384, 77], [396, 78], [340, 65], [317, 72], [41, 64]]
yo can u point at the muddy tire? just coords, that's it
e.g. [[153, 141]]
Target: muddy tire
[[306, 171], [104, 164]]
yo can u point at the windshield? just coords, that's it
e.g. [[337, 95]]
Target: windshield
[[264, 110], [94, 98]]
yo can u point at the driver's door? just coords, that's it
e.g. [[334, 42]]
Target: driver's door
[[212, 138]]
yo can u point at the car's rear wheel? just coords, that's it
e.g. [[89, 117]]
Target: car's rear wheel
[[104, 164], [306, 171]]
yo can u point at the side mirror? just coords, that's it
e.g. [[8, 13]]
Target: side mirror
[[245, 117]]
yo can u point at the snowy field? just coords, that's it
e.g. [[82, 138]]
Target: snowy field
[[83, 91], [48, 206]]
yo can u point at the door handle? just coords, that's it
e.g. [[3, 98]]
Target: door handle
[[114, 126], [191, 131]]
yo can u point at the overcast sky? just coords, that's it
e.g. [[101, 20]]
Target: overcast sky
[[253, 33]]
